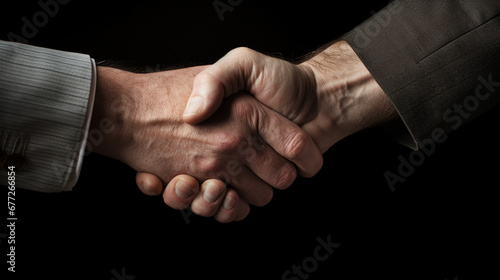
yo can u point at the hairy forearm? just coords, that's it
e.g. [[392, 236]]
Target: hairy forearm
[[349, 98]]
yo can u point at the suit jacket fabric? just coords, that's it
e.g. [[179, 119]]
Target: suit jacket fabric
[[437, 61], [45, 108]]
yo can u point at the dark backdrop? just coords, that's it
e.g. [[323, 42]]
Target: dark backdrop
[[438, 224]]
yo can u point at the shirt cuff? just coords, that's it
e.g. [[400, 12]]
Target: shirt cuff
[[75, 174]]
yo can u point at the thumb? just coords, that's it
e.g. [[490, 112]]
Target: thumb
[[231, 74], [206, 97], [148, 183]]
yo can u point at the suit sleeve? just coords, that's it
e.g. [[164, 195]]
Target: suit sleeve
[[46, 99], [437, 61]]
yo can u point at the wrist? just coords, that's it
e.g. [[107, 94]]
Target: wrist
[[111, 106], [349, 98]]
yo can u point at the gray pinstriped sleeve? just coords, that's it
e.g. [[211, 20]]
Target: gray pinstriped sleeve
[[45, 107]]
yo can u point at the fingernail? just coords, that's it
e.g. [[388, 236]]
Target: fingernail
[[183, 190], [229, 202], [212, 192], [194, 106]]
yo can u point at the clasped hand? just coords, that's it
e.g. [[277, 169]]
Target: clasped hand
[[252, 122]]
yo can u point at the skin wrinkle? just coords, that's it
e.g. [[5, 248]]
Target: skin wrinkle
[[306, 90]]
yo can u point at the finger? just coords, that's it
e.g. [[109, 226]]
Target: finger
[[181, 191], [250, 187], [292, 143], [148, 183], [207, 202], [289, 140], [266, 163], [232, 208], [231, 74], [243, 211]]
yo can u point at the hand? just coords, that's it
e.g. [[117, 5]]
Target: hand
[[331, 95], [140, 116]]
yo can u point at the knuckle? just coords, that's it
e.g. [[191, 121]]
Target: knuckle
[[242, 108], [203, 78], [209, 165], [286, 178], [244, 52], [295, 145], [228, 142], [208, 77]]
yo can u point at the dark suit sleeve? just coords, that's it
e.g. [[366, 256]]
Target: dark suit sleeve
[[437, 61]]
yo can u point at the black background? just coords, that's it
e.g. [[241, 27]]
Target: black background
[[441, 223]]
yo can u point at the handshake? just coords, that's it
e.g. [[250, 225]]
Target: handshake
[[221, 137]]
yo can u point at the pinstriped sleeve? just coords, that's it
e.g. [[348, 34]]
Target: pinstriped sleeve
[[46, 99]]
